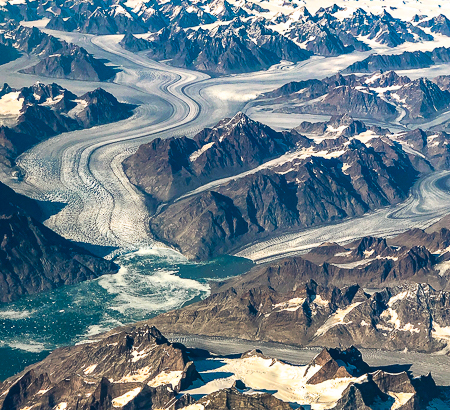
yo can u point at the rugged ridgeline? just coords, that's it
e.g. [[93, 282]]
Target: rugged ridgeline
[[32, 114], [58, 58], [246, 36], [438, 24], [251, 44], [233, 48], [384, 97], [140, 369], [318, 299], [334, 35], [324, 32], [33, 258], [241, 181], [432, 146], [406, 61], [409, 59]]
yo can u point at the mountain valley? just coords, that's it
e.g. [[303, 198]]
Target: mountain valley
[[217, 198], [221, 204]]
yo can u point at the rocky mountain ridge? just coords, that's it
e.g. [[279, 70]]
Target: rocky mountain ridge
[[321, 34], [382, 96], [209, 30], [431, 145], [211, 195], [438, 24], [35, 259], [299, 302], [408, 60], [233, 146], [58, 58], [240, 46], [140, 369], [32, 114]]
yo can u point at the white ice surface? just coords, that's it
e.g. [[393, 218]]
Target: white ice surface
[[126, 397], [427, 204], [83, 169], [287, 381], [90, 369], [337, 318], [172, 378], [10, 108]]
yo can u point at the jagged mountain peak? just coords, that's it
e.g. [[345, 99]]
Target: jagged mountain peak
[[301, 13], [98, 12], [6, 89], [339, 120], [240, 119], [336, 363], [233, 146], [385, 15], [360, 12], [418, 17], [331, 9]]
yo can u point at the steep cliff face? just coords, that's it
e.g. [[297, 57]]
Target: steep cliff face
[[33, 258]]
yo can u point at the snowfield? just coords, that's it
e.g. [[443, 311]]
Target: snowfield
[[288, 381], [10, 108], [420, 363]]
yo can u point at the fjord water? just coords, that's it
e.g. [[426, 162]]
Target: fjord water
[[149, 282]]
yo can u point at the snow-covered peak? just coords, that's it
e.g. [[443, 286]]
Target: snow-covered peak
[[11, 106]]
